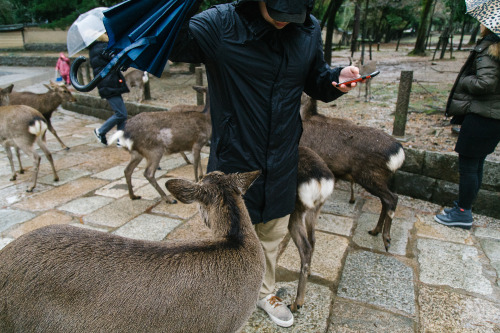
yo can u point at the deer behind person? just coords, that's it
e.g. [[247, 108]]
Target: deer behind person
[[69, 279], [20, 127], [138, 79], [368, 67], [45, 103], [362, 154], [150, 135]]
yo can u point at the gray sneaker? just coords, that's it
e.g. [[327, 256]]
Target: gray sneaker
[[456, 217], [277, 311], [447, 210], [101, 138]]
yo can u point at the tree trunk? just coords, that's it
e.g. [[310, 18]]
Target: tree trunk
[[330, 27], [422, 28], [473, 35], [355, 30], [462, 35]]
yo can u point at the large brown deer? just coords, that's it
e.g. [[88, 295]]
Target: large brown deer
[[315, 184], [20, 127], [365, 155], [150, 135], [62, 278], [46, 103]]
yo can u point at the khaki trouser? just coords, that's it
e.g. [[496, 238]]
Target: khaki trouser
[[270, 235]]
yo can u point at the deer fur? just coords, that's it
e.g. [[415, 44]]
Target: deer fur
[[365, 68], [365, 155], [137, 78], [63, 278], [20, 127], [315, 184], [46, 103], [150, 135]]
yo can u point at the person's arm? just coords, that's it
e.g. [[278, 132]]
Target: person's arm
[[485, 80], [321, 76]]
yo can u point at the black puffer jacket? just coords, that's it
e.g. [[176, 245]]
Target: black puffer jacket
[[256, 75], [114, 83]]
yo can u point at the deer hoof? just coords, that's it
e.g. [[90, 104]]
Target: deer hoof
[[13, 178], [387, 244], [373, 232], [66, 148], [21, 171], [56, 179], [30, 189], [135, 197]]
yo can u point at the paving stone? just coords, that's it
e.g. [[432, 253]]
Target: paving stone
[[148, 192], [447, 311], [487, 233], [148, 227], [350, 317], [119, 188], [85, 226], [65, 176], [5, 241], [177, 211], [187, 171], [101, 159], [336, 224], [451, 264], [312, 317], [491, 248], [377, 279], [17, 192], [418, 205], [326, 260], [10, 217], [400, 232], [338, 204], [117, 213], [373, 205], [428, 228], [195, 228], [60, 195], [85, 205], [45, 219], [113, 173]]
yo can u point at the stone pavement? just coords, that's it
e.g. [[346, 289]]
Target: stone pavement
[[433, 279]]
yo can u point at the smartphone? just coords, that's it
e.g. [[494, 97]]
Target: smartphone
[[369, 76]]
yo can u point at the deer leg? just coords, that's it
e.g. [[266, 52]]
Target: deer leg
[[21, 170], [8, 151], [135, 159], [28, 150], [352, 199], [53, 131], [196, 161], [185, 157], [389, 202], [299, 234], [149, 173], [47, 153]]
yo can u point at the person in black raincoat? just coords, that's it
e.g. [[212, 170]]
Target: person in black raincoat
[[259, 57], [111, 88]]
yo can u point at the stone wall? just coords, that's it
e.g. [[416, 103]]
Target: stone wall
[[425, 175]]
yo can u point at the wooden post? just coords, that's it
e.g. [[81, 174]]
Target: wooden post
[[402, 103], [199, 82]]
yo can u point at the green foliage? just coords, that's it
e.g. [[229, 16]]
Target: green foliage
[[6, 12]]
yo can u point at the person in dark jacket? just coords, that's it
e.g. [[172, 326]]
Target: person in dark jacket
[[111, 88], [259, 57], [474, 102]]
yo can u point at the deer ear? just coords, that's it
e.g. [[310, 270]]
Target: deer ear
[[8, 89], [183, 190], [245, 180]]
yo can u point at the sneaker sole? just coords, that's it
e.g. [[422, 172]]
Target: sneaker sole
[[463, 225], [278, 321]]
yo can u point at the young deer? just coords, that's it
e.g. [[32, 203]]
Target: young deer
[[137, 78], [365, 155], [20, 127], [46, 103], [62, 278], [151, 135], [315, 184], [368, 67]]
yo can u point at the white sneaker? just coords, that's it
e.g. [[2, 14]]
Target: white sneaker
[[277, 311]]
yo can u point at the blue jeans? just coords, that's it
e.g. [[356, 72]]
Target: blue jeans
[[116, 103]]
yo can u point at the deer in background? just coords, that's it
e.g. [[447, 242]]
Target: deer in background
[[315, 184], [368, 67], [138, 79], [46, 103], [365, 155], [63, 278], [150, 135], [20, 127]]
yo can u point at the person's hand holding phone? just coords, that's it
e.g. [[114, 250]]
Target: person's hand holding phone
[[346, 74]]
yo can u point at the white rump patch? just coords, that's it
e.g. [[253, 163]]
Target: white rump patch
[[118, 135], [165, 136], [313, 192], [38, 128], [396, 161]]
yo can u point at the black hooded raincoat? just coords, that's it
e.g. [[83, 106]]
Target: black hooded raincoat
[[256, 75]]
